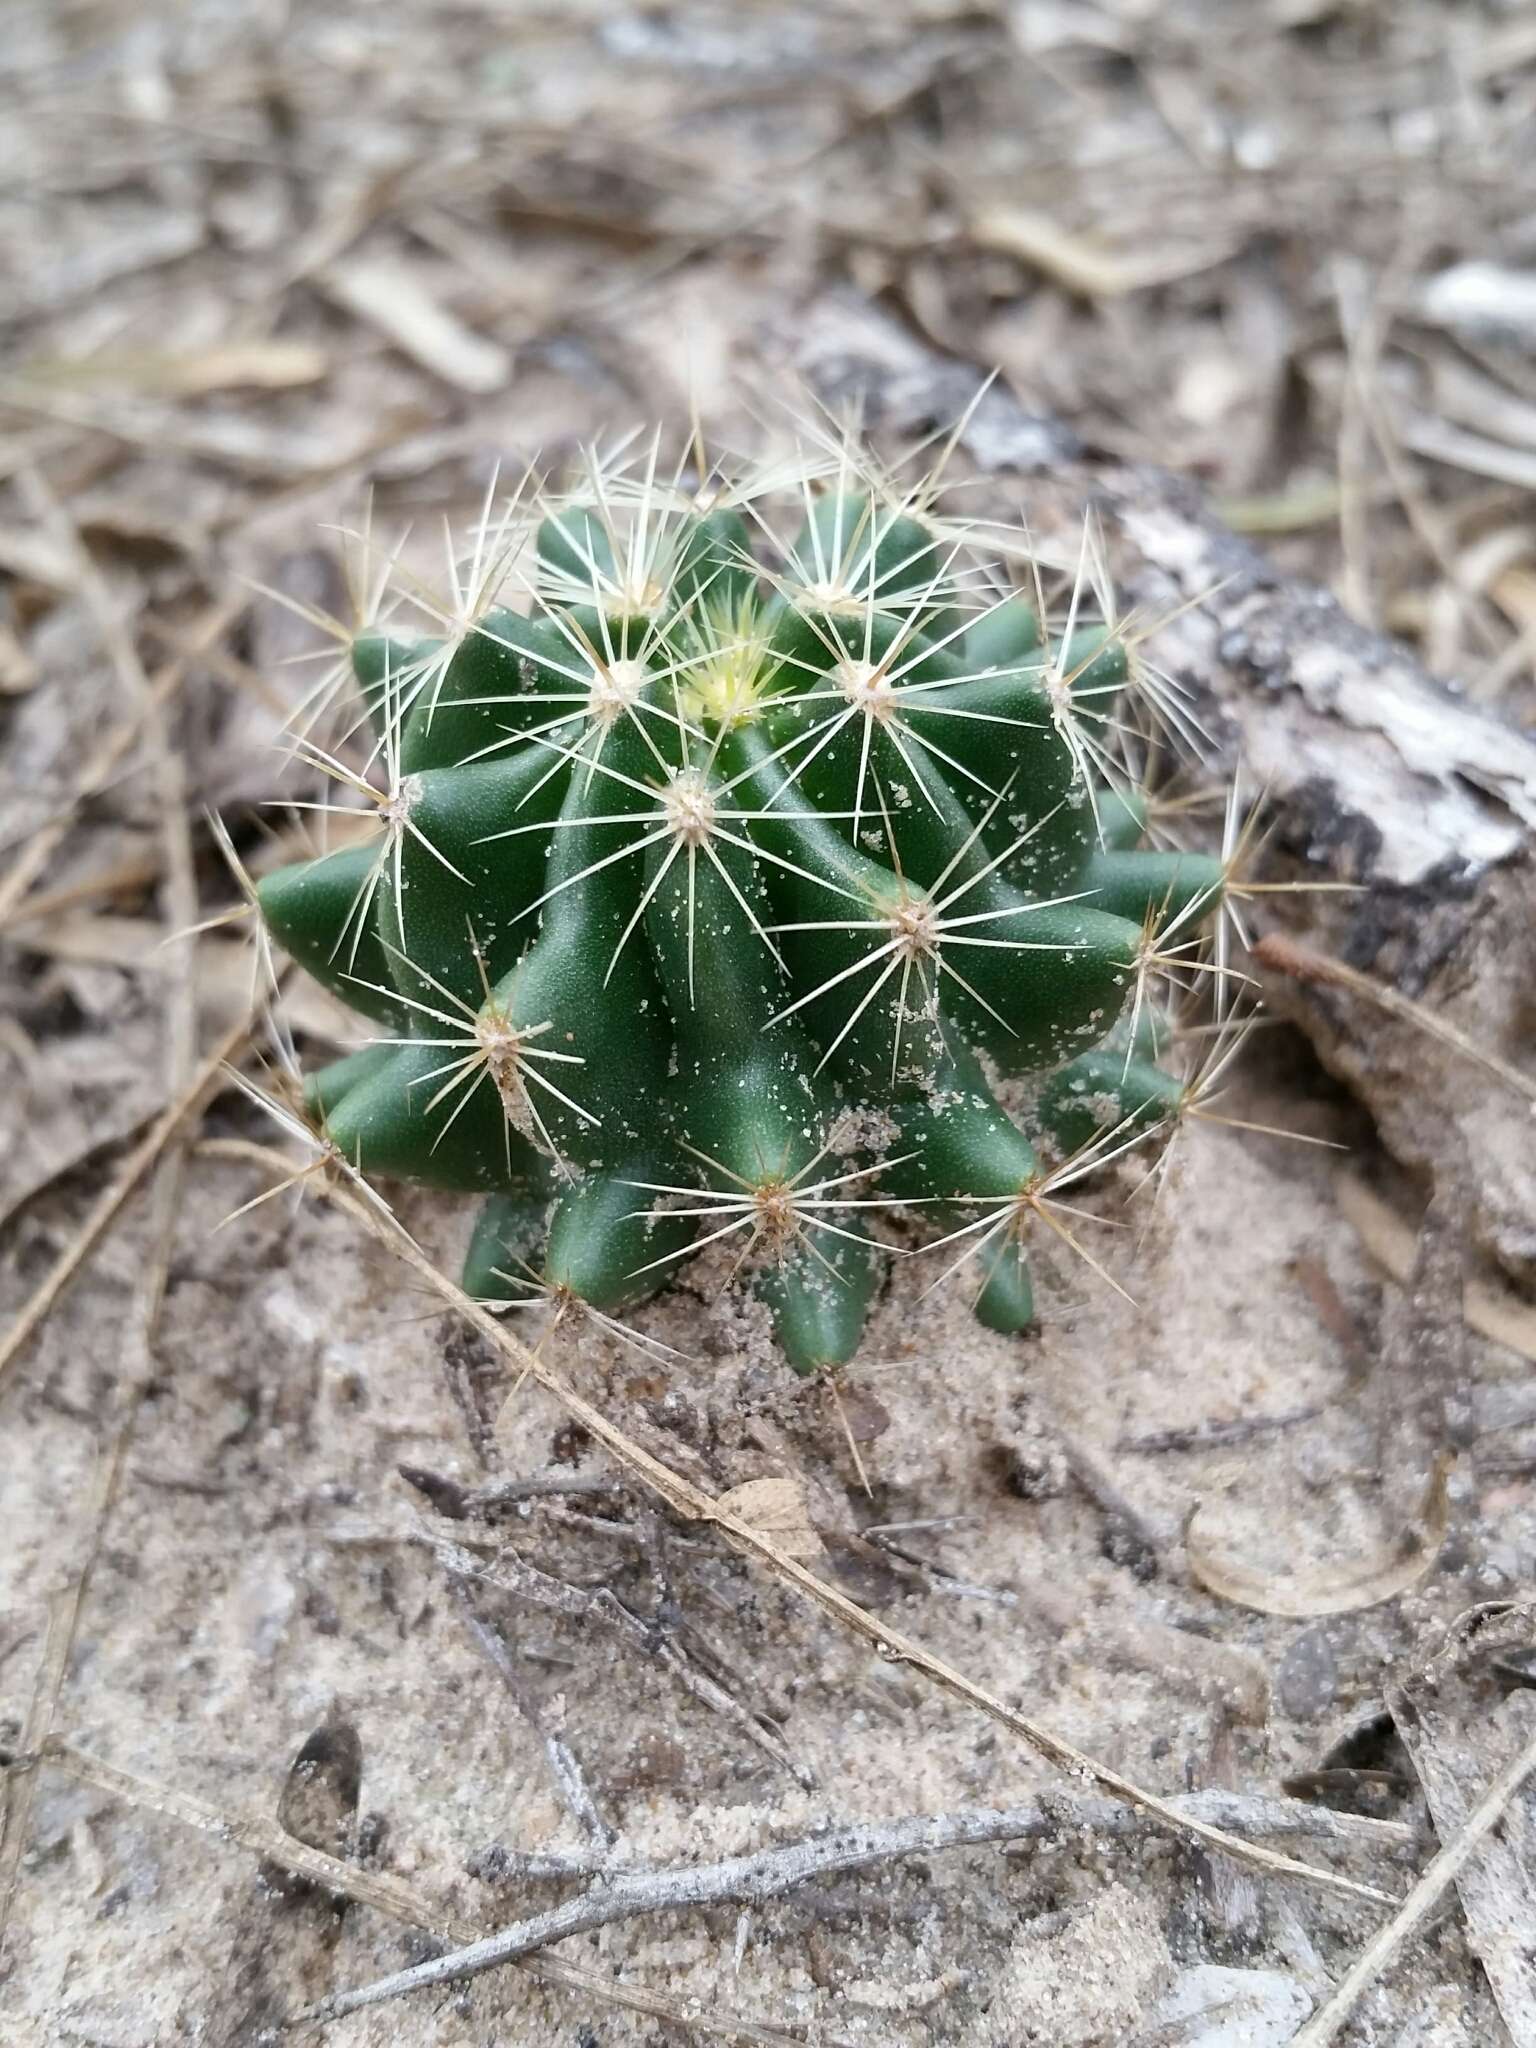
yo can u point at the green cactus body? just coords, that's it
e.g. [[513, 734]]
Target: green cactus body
[[464, 705], [1153, 887], [398, 1119], [700, 870], [1005, 1300], [1106, 1091], [1122, 820], [1005, 635], [319, 910], [324, 1088], [506, 1251]]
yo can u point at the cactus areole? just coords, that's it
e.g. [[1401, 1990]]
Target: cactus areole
[[735, 848]]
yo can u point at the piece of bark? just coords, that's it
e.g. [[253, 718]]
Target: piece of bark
[[1460, 1735], [1373, 773]]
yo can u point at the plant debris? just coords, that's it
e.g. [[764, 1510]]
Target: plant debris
[[294, 1582]]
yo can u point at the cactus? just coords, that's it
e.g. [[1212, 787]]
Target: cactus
[[721, 881]]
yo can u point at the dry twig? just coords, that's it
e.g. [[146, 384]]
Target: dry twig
[[565, 1767], [767, 1874], [272, 1843], [603, 1608]]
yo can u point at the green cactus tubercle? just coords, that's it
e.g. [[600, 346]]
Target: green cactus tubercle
[[717, 893]]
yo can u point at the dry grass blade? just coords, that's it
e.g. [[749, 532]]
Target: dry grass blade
[[889, 1643], [121, 878], [1324, 2026], [98, 770], [110, 1203], [268, 1840]]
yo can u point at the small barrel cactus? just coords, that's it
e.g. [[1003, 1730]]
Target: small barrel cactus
[[723, 880]]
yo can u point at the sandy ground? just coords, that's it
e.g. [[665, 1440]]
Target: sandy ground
[[257, 1578], [188, 188]]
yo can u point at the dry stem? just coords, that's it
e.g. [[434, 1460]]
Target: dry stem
[[1290, 957]]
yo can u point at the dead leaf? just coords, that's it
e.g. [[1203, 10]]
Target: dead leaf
[[18, 671], [1475, 453], [778, 1509], [33, 557], [1483, 301], [1491, 1311], [1331, 1588], [392, 298], [224, 366], [1080, 263]]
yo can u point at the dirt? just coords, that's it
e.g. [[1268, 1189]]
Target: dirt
[[620, 208], [257, 1579]]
